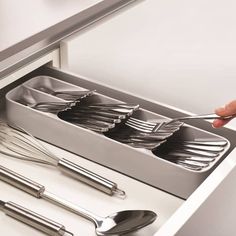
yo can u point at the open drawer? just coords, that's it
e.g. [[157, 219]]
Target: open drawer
[[150, 166], [139, 164], [187, 202]]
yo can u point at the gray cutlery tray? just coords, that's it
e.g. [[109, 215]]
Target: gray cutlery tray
[[138, 163]]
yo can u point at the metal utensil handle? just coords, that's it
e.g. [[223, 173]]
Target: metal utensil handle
[[33, 219], [221, 143], [21, 182], [87, 176], [206, 116]]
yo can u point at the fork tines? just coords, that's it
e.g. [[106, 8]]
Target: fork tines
[[150, 127]]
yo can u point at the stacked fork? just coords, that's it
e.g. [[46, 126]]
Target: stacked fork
[[153, 127], [143, 134]]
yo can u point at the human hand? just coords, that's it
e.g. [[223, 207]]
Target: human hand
[[228, 110]]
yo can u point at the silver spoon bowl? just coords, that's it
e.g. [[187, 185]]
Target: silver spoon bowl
[[124, 222], [118, 223]]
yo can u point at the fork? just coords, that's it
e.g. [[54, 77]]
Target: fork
[[149, 127], [211, 116]]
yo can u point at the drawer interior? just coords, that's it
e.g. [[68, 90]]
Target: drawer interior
[[137, 188], [160, 172]]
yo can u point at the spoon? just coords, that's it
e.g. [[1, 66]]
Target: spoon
[[67, 94], [118, 223], [28, 100]]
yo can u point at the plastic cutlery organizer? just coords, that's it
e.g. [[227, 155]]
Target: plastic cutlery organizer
[[142, 164]]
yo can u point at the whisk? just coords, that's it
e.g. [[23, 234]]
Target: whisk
[[26, 147]]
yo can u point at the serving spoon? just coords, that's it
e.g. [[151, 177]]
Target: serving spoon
[[118, 223]]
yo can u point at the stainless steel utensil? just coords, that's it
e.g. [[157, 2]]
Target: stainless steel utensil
[[51, 107], [69, 95], [152, 127], [99, 117], [115, 110], [214, 149], [109, 114], [160, 124], [89, 126], [192, 154], [115, 224], [94, 116], [25, 147], [89, 119], [192, 158], [33, 219], [191, 164], [138, 139], [204, 116], [91, 122], [77, 116], [109, 106], [140, 143], [206, 142], [28, 99], [193, 117], [181, 151]]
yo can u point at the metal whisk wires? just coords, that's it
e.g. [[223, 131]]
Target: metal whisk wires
[[24, 146]]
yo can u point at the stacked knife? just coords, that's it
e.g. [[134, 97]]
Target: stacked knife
[[195, 154]]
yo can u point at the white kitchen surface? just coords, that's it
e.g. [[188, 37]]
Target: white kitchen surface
[[20, 20], [182, 53], [139, 196]]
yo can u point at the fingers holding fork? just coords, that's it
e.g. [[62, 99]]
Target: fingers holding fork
[[228, 110]]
